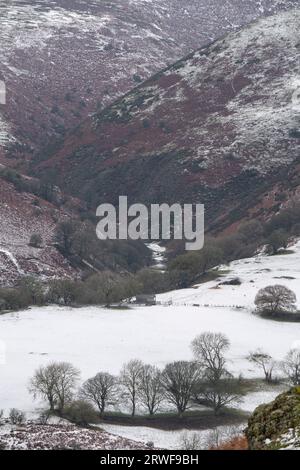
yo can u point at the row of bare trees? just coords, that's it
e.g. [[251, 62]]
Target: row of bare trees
[[204, 381]]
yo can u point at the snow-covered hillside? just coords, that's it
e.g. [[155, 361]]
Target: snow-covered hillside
[[219, 127], [61, 59], [254, 274], [21, 215]]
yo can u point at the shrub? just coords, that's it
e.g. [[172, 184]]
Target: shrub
[[62, 292], [36, 240], [13, 299], [31, 289], [191, 441], [81, 412], [278, 239], [16, 417]]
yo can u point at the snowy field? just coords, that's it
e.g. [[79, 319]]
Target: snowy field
[[254, 273], [95, 339], [171, 439]]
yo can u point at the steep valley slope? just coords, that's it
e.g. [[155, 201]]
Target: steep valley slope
[[219, 127], [61, 60]]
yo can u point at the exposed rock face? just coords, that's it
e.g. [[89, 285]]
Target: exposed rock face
[[218, 127], [276, 425]]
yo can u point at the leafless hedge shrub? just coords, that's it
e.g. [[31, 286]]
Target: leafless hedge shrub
[[80, 412], [191, 441], [16, 417]]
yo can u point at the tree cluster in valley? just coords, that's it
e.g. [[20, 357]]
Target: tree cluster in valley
[[205, 380], [143, 388]]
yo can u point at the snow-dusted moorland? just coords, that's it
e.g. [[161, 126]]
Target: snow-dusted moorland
[[62, 436]]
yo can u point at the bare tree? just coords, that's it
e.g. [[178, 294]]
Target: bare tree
[[291, 366], [219, 393], [42, 384], [218, 388], [100, 390], [151, 392], [218, 437], [275, 299], [55, 383], [209, 349], [130, 379], [191, 441], [179, 380], [66, 379], [264, 361]]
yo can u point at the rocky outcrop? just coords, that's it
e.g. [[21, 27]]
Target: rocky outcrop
[[276, 425]]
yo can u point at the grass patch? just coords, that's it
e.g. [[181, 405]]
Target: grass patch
[[259, 384], [192, 419]]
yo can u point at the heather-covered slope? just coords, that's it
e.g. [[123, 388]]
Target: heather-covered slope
[[62, 59], [220, 127], [21, 215], [63, 437]]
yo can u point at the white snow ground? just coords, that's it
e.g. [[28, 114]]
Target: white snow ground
[[170, 439], [94, 338], [255, 273]]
